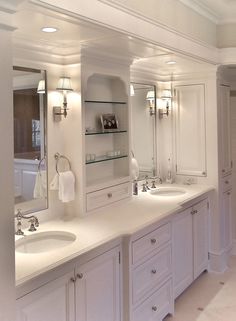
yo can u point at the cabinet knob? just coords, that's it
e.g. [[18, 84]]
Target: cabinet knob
[[73, 280], [154, 271], [226, 182], [109, 195], [80, 275], [153, 241], [223, 170], [154, 308], [228, 193]]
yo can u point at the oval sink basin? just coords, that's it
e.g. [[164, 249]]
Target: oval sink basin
[[44, 241], [168, 191]]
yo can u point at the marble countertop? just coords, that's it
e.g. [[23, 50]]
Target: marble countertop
[[105, 225]]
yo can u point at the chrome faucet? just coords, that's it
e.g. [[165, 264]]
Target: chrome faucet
[[32, 219]]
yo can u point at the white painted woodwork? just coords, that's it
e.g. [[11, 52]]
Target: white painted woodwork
[[190, 131], [190, 245], [151, 273], [224, 129], [182, 251], [98, 288], [53, 301], [226, 212], [200, 238], [150, 242], [155, 307]]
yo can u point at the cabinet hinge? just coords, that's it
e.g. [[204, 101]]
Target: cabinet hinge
[[119, 257]]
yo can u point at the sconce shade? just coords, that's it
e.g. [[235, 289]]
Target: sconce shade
[[150, 95], [64, 83], [132, 90], [166, 94], [41, 87]]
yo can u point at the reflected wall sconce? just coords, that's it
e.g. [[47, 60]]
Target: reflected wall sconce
[[151, 101], [64, 85], [132, 91], [41, 87], [165, 97]]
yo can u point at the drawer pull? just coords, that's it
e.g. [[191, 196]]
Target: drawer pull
[[228, 193], [154, 308], [154, 271], [73, 280], [80, 275], [226, 182], [109, 195], [153, 241]]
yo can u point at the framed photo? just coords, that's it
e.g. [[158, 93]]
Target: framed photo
[[109, 122]]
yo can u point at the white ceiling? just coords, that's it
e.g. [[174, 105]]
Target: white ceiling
[[75, 36]]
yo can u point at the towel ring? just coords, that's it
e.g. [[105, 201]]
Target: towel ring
[[57, 157], [40, 163]]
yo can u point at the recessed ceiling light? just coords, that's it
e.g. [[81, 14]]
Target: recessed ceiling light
[[49, 29], [171, 62]]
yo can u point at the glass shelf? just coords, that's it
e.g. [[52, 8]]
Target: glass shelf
[[106, 132], [105, 102], [104, 158]]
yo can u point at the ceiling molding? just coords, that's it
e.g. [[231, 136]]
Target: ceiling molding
[[202, 9]]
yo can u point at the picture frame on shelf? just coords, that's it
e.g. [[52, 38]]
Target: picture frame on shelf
[[109, 122]]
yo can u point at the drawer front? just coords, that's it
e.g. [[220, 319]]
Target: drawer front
[[150, 274], [150, 242], [226, 183], [157, 306], [107, 196]]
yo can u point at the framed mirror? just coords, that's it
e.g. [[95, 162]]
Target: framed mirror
[[143, 118], [30, 157]]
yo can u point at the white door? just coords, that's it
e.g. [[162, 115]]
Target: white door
[[226, 219], [190, 131], [200, 238], [98, 288], [182, 251], [224, 123], [51, 302]]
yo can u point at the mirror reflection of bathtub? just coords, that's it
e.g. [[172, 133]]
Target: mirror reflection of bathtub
[[143, 117], [30, 164]]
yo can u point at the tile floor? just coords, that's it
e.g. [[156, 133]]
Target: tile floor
[[212, 297]]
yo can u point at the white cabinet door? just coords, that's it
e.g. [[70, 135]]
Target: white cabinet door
[[51, 302], [190, 130], [224, 124], [200, 237], [226, 219], [182, 251], [98, 289]]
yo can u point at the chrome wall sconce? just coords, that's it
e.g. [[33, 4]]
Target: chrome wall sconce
[[64, 85], [166, 97], [151, 97]]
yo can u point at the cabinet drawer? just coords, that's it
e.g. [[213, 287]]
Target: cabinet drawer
[[150, 274], [107, 196], [226, 183], [157, 306], [150, 242]]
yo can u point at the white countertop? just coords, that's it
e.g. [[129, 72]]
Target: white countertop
[[103, 226]]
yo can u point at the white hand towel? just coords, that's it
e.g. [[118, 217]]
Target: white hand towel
[[66, 187], [40, 187], [54, 185], [134, 169]]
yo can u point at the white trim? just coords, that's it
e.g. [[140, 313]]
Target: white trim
[[202, 9], [227, 56]]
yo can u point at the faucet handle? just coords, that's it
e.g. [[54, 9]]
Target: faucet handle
[[153, 184]]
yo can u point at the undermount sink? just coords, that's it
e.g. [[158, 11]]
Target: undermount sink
[[44, 241], [168, 191]]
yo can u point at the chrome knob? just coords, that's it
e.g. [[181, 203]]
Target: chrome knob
[[154, 308], [80, 275], [154, 271], [153, 241]]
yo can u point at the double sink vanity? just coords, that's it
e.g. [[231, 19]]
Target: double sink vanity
[[127, 262]]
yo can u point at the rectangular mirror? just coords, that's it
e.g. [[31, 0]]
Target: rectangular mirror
[[143, 118], [30, 161]]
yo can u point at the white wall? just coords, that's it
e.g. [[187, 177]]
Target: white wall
[[7, 246], [226, 35]]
